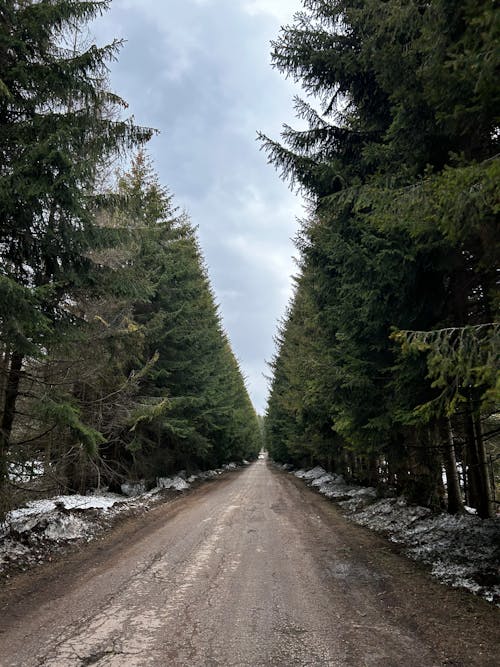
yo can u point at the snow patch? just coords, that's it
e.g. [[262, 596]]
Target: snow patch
[[37, 507], [314, 473], [53, 525], [133, 489], [462, 551], [322, 480], [390, 514], [66, 527], [208, 474], [336, 490], [31, 534], [176, 483]]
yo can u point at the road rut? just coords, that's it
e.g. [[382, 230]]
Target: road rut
[[255, 570]]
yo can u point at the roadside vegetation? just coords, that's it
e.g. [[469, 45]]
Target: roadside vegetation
[[114, 364], [386, 369]]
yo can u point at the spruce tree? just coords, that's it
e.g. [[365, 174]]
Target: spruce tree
[[56, 129], [403, 185], [194, 411]]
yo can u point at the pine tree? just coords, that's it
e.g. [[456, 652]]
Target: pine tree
[[403, 184], [56, 128], [195, 409]]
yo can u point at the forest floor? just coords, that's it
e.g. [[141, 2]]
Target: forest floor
[[253, 569]]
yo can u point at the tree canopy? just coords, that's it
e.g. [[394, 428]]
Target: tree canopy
[[399, 257], [113, 359]]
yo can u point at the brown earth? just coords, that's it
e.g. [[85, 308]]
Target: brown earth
[[252, 570]]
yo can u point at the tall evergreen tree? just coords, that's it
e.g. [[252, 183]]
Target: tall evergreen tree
[[56, 128], [404, 186], [195, 410]]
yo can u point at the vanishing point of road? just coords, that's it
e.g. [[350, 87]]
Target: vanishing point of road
[[253, 569]]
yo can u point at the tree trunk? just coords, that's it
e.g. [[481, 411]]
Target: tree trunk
[[425, 483], [455, 502], [486, 508], [4, 371], [471, 463], [477, 471], [373, 471], [7, 419]]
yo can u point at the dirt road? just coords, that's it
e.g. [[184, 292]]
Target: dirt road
[[252, 570]]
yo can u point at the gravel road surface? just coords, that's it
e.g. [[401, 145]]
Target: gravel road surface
[[251, 570]]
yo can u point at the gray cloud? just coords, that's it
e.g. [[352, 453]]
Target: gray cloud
[[199, 71]]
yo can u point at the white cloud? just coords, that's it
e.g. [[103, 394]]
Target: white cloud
[[262, 256], [281, 10], [198, 70]]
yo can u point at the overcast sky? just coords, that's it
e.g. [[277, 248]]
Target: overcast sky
[[199, 71]]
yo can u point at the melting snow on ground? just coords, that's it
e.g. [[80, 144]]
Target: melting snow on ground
[[177, 483], [462, 551], [32, 533]]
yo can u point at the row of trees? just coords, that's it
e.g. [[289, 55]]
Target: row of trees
[[386, 368], [113, 360]]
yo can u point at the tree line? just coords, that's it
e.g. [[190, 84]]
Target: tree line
[[114, 363], [386, 368]]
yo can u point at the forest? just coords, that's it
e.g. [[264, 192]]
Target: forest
[[386, 368], [149, 515], [114, 363]]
